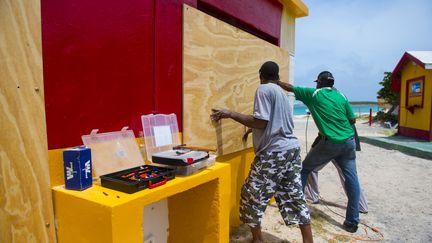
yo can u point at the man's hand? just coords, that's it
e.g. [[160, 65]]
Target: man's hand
[[245, 136], [220, 114], [286, 86]]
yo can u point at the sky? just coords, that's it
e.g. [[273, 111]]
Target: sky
[[359, 40]]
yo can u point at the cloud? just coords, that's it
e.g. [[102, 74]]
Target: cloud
[[358, 40]]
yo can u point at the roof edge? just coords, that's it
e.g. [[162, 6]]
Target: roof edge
[[395, 80], [298, 7], [407, 56]]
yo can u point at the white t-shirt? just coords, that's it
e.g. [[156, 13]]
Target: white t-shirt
[[273, 105]]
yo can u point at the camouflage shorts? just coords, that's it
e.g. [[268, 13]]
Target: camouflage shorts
[[274, 174]]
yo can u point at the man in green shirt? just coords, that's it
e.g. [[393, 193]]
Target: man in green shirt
[[333, 116]]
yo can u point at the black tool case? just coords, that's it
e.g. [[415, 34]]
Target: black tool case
[[133, 179]]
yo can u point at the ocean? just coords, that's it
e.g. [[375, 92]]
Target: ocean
[[358, 109]]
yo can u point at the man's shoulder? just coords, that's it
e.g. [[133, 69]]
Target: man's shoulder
[[268, 88], [337, 94]]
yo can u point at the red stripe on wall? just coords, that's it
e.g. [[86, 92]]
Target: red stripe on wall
[[98, 66], [415, 133], [259, 17]]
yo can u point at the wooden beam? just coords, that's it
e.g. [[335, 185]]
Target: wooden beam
[[297, 7]]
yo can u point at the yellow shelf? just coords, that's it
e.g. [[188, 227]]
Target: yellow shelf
[[198, 210]]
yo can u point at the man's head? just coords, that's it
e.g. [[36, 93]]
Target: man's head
[[324, 79], [269, 71]]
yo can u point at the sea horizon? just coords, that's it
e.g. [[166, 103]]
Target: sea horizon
[[358, 107]]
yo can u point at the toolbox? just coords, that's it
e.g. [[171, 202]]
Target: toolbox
[[119, 163], [137, 178], [161, 135]]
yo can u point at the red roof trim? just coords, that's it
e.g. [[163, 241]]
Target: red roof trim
[[394, 76]]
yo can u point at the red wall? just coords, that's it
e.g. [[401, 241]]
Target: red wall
[[98, 66], [108, 62], [259, 17]]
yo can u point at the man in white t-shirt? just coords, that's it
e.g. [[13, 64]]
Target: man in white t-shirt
[[276, 168]]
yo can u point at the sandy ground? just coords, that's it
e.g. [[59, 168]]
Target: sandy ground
[[398, 188]]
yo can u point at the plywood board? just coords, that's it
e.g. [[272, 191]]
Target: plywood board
[[220, 69], [26, 210]]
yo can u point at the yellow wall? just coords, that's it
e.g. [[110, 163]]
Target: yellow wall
[[55, 158], [420, 119], [240, 163]]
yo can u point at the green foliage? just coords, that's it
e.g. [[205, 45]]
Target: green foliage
[[386, 92], [383, 116]]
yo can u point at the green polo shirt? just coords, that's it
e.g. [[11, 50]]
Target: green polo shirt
[[331, 111]]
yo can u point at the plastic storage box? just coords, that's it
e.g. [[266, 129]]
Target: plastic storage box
[[119, 163], [161, 134]]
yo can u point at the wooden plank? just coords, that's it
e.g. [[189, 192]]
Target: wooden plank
[[220, 69], [26, 210]]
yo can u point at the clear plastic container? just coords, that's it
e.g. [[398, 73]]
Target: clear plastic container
[[113, 151], [166, 128], [167, 136]]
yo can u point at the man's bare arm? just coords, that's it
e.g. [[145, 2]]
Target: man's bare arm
[[246, 120], [286, 86]]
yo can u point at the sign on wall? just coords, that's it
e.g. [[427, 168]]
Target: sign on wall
[[415, 92], [416, 88]]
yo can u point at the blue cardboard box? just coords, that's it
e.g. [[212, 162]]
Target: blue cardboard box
[[77, 168]]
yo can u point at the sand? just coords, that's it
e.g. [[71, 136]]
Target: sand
[[398, 188]]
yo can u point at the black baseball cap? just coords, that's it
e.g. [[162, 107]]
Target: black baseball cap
[[269, 71], [325, 75]]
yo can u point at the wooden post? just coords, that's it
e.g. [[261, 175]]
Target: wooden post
[[26, 210], [370, 116]]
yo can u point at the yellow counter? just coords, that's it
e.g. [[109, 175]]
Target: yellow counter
[[199, 209]]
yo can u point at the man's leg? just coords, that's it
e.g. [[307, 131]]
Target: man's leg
[[306, 231], [289, 196], [316, 159], [347, 163], [363, 204], [256, 194], [256, 234], [311, 190]]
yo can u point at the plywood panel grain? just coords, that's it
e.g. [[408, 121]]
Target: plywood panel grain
[[220, 69], [26, 212]]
